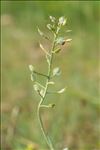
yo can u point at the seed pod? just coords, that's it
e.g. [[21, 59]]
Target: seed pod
[[32, 77], [51, 105], [68, 40], [36, 87], [56, 71], [60, 41], [31, 68], [57, 50]]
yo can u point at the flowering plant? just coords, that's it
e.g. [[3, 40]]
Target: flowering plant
[[42, 90]]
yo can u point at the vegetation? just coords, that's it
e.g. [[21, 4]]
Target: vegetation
[[75, 121]]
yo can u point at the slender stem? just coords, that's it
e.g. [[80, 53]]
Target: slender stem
[[41, 74], [48, 141]]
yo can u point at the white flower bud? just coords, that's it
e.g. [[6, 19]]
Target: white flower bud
[[62, 21]]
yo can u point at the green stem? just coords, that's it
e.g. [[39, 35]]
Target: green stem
[[48, 141], [40, 74]]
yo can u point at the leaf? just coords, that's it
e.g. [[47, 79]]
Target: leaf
[[56, 71], [61, 91], [42, 34], [31, 68], [41, 46]]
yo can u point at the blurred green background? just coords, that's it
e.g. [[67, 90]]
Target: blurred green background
[[74, 122]]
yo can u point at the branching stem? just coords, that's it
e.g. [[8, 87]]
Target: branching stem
[[48, 141], [40, 74]]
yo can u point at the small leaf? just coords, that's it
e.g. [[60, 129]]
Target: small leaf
[[41, 46], [61, 91], [31, 68], [40, 32], [56, 71]]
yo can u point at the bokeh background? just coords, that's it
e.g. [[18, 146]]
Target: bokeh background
[[74, 122]]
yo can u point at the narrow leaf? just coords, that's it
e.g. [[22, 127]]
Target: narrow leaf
[[61, 91], [41, 46], [42, 34]]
